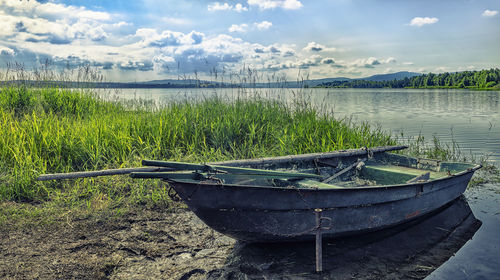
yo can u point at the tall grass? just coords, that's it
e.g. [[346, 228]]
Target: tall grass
[[44, 130]]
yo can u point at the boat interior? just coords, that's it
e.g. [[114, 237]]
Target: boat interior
[[380, 169]]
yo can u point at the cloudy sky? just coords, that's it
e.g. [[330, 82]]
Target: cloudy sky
[[155, 39]]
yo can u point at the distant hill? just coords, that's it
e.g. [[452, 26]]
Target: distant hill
[[286, 84], [295, 84], [172, 82], [192, 83], [390, 77], [313, 83]]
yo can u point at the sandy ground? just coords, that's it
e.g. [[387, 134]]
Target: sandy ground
[[155, 244]]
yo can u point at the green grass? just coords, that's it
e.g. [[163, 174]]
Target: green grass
[[47, 130], [419, 147]]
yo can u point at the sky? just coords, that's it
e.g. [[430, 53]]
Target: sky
[[145, 40]]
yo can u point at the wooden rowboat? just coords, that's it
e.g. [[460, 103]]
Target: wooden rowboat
[[278, 199]]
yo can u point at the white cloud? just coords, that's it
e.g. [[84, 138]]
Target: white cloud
[[292, 5], [466, 68], [289, 53], [273, 4], [240, 8], [408, 63], [163, 61], [219, 7], [150, 38], [489, 13], [106, 41], [441, 69], [275, 50], [421, 21], [26, 36], [328, 60], [176, 21], [315, 47], [313, 60], [5, 50], [54, 23], [238, 28], [52, 11], [184, 53], [226, 7], [263, 25], [97, 33], [370, 62], [316, 61], [390, 60], [121, 24]]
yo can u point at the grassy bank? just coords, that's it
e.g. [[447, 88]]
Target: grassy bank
[[46, 130]]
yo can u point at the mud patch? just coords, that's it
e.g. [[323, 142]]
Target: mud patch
[[148, 244]]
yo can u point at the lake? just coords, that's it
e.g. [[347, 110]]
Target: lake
[[469, 118]]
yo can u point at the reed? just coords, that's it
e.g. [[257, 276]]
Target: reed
[[45, 130]]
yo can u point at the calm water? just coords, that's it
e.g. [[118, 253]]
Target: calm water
[[479, 258], [470, 118]]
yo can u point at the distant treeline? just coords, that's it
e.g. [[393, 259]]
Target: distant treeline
[[484, 79]]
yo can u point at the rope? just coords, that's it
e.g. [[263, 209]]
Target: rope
[[369, 152], [172, 193]]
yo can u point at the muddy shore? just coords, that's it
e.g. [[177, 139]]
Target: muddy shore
[[155, 244]]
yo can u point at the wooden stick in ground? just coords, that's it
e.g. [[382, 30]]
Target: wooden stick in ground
[[319, 243], [106, 172], [343, 171]]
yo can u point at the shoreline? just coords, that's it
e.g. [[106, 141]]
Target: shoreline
[[160, 243]]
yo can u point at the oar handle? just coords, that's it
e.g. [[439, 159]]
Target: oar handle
[[166, 175], [175, 165], [105, 172]]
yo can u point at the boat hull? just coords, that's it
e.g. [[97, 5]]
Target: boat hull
[[270, 214]]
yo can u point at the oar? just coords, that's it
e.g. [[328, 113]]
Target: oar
[[167, 175], [228, 169], [223, 176], [176, 165], [106, 172], [359, 161]]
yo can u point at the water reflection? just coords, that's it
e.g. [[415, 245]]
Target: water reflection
[[470, 118], [409, 251]]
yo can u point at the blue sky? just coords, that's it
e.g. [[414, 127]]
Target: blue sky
[[155, 39]]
